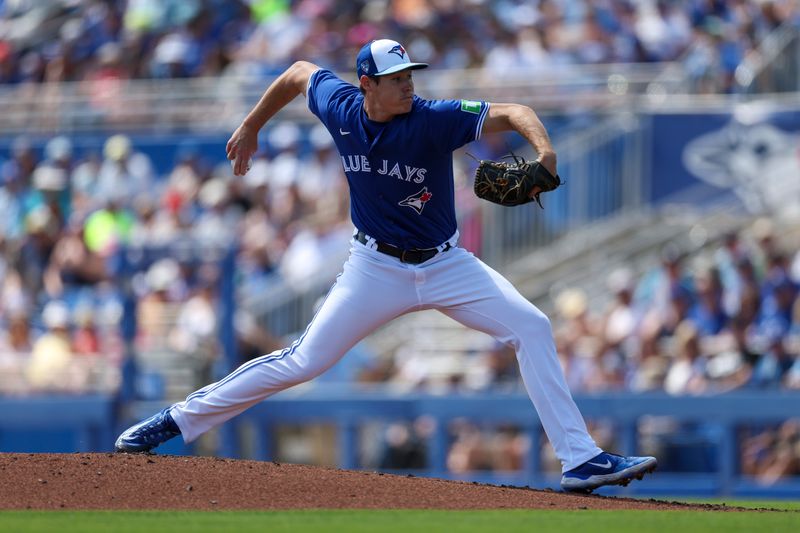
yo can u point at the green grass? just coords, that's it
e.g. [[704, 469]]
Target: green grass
[[399, 521]]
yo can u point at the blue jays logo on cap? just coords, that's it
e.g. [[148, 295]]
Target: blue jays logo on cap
[[399, 50], [383, 57]]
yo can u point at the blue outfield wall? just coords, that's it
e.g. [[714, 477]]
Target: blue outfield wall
[[57, 424], [83, 424]]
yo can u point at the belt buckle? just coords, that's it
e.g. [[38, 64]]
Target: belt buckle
[[411, 257]]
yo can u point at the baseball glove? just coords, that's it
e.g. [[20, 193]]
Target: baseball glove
[[512, 183]]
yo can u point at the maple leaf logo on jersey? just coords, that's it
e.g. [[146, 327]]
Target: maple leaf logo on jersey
[[418, 200], [399, 50]]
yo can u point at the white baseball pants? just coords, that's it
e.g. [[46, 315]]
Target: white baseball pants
[[373, 289]]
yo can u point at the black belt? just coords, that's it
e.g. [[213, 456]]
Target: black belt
[[413, 257]]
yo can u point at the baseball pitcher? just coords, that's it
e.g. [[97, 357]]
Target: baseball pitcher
[[396, 149]]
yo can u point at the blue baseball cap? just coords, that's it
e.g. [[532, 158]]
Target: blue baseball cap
[[382, 57]]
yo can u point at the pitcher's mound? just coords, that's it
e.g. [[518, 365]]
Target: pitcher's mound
[[127, 481]]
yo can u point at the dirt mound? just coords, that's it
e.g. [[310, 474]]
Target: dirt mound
[[126, 481]]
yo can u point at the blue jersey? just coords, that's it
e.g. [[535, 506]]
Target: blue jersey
[[400, 172]]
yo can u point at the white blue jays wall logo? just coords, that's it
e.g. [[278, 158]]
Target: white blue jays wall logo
[[417, 200], [399, 50], [759, 162]]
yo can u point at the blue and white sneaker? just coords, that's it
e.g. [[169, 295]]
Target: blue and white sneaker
[[148, 433], [607, 469]]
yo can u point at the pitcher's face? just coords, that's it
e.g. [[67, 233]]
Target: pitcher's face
[[393, 94]]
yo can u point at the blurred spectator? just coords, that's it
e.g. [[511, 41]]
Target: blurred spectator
[[649, 370], [110, 227], [58, 153], [42, 231], [770, 455], [619, 340], [578, 341], [736, 346], [50, 192], [16, 336], [727, 259], [773, 366], [467, 453], [124, 173], [23, 160], [72, 263], [659, 287], [104, 84], [742, 295], [155, 226], [473, 448], [216, 223], [573, 306], [159, 291], [196, 323], [51, 180], [707, 313], [85, 337], [84, 185], [659, 324], [14, 298], [763, 232], [776, 311], [180, 194], [51, 366], [404, 446], [687, 375]]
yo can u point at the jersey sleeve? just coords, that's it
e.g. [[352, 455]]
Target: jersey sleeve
[[324, 92], [456, 122]]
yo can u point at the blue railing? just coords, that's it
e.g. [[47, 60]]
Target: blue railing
[[72, 424]]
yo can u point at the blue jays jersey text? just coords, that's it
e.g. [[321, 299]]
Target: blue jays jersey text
[[400, 172]]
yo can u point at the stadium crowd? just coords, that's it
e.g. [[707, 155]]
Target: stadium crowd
[[75, 40]]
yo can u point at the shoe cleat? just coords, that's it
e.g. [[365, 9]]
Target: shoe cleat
[[147, 434], [607, 469]]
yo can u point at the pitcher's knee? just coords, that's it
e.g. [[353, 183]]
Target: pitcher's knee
[[536, 320], [534, 324]]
